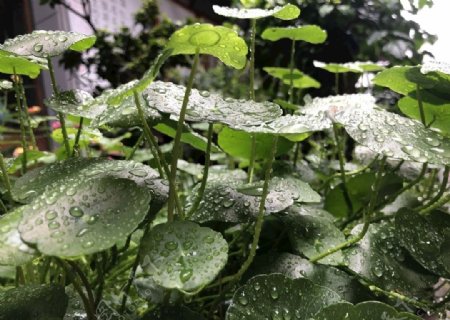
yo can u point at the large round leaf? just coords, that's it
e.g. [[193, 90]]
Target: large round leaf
[[220, 42], [182, 255], [209, 107], [423, 240], [43, 43], [287, 12], [370, 310], [279, 297], [312, 232], [11, 63], [379, 258], [298, 78], [75, 102], [294, 267], [59, 174], [13, 251], [33, 302], [311, 33], [83, 217]]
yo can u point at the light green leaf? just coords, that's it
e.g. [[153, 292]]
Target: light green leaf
[[227, 141], [33, 302], [287, 12], [370, 310], [295, 267], [75, 102], [43, 43], [311, 33], [435, 107], [299, 79], [182, 255], [423, 240], [205, 106], [13, 251], [220, 42], [250, 3], [379, 258], [312, 231], [11, 63], [279, 297], [80, 217]]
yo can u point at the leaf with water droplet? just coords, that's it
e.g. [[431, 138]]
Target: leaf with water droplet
[[171, 264], [221, 42], [281, 297], [294, 267], [310, 33], [43, 43], [287, 12], [369, 310], [11, 63], [33, 302], [101, 212], [212, 107], [422, 239], [299, 79], [75, 102], [312, 231], [13, 251], [379, 258]]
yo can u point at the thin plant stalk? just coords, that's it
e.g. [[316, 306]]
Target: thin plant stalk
[[341, 157], [336, 82], [291, 67], [251, 167], [136, 146], [201, 190], [438, 196], [421, 110], [177, 142], [23, 134], [76, 144], [27, 117], [367, 218], [61, 118], [5, 176]]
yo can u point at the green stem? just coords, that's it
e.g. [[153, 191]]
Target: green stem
[[341, 157], [435, 205], [201, 190], [84, 281], [76, 144], [336, 82], [23, 135], [296, 153], [367, 217], [437, 197], [430, 186], [3, 207], [421, 111], [398, 296], [291, 67], [5, 176], [61, 118], [136, 146], [251, 167], [177, 142], [20, 277], [27, 117]]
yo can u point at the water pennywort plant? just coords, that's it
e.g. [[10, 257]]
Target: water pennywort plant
[[315, 208]]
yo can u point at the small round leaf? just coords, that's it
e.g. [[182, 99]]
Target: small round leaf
[[311, 33], [11, 63], [298, 78], [182, 255]]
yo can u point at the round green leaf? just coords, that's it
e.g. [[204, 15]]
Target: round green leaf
[[59, 174], [370, 310], [298, 78], [205, 106], [33, 302], [80, 218], [435, 107], [287, 12], [392, 135], [422, 240], [75, 102], [13, 251], [279, 297], [43, 43], [311, 33], [220, 42], [338, 67], [294, 267], [182, 255], [379, 258], [312, 231], [173, 313], [11, 63]]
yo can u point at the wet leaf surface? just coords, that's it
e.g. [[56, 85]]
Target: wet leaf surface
[[287, 12]]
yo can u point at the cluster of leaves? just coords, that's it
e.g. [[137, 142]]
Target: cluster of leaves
[[303, 233]]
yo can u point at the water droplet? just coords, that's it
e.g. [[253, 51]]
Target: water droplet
[[50, 215], [82, 232], [243, 300], [228, 203], [76, 212], [171, 245], [53, 225], [274, 293], [139, 173], [209, 239], [88, 244], [38, 47], [185, 275]]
